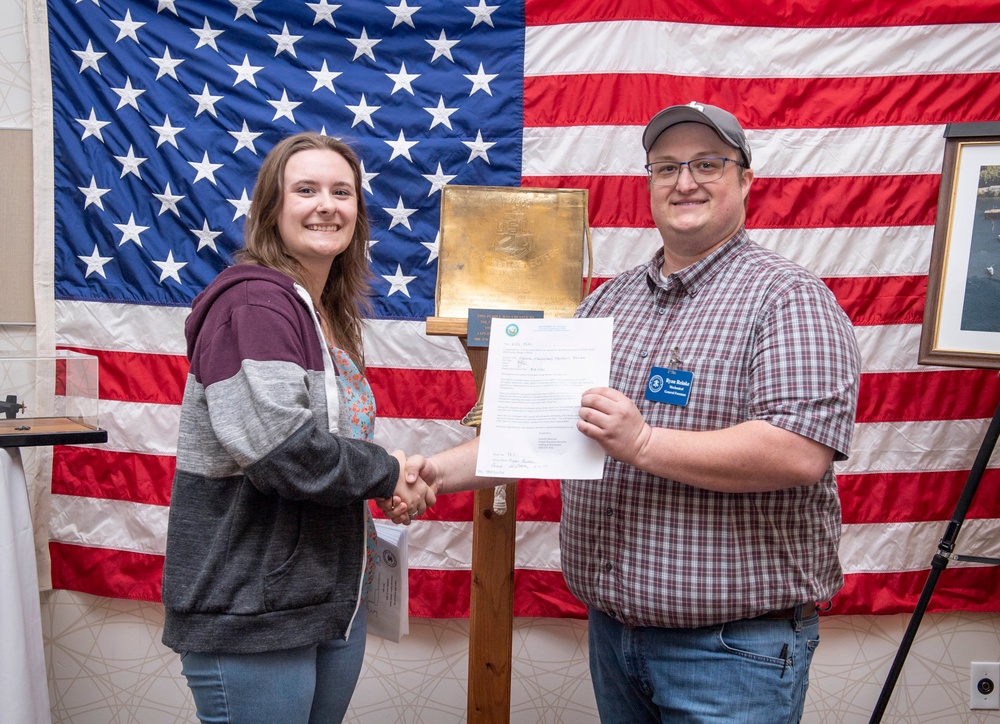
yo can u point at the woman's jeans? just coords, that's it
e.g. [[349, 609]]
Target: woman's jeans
[[752, 671], [309, 684]]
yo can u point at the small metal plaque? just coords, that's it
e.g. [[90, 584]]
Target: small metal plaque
[[510, 248]]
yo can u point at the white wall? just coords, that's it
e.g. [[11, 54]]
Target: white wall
[[106, 664]]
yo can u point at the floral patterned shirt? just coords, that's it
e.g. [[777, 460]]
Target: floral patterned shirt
[[357, 421]]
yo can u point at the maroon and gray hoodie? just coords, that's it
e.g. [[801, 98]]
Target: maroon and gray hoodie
[[266, 535]]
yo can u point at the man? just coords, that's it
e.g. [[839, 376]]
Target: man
[[703, 552]]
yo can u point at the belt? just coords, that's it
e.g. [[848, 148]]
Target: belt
[[786, 614]]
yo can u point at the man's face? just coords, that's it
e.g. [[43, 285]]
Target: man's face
[[694, 218]]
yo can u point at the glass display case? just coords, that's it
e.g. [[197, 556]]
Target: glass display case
[[50, 400]]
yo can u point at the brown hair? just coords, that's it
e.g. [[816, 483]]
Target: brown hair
[[345, 298]]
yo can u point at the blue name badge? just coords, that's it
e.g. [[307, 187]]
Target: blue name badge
[[670, 386]]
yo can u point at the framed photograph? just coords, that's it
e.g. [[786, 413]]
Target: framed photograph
[[962, 316]]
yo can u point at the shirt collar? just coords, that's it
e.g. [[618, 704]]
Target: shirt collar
[[691, 278]]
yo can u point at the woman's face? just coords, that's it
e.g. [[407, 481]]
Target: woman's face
[[319, 208]]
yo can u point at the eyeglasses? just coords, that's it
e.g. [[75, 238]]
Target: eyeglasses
[[703, 170]]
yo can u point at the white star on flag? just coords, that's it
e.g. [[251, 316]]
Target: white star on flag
[[402, 79], [363, 112], [127, 27], [169, 268], [205, 169], [89, 58], [283, 108], [401, 147], [207, 36], [92, 126], [242, 205], [244, 7], [127, 95], [93, 194], [245, 138], [130, 231], [167, 133], [479, 147], [364, 45], [95, 263], [285, 41], [206, 102], [483, 13], [206, 237], [403, 13], [166, 64], [437, 179], [366, 177], [400, 214], [323, 11], [324, 77], [442, 47], [433, 247], [246, 72], [168, 200], [440, 114], [481, 81], [398, 282], [130, 163]]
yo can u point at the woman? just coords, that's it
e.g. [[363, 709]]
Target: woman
[[269, 532]]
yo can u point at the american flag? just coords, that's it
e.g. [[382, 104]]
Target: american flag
[[162, 111]]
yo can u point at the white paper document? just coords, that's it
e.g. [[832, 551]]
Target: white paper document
[[536, 372], [388, 598]]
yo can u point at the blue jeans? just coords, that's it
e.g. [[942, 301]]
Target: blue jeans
[[310, 684], [751, 671]]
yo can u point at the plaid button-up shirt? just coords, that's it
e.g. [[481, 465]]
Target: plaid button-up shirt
[[765, 340]]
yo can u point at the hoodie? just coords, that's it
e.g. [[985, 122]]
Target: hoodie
[[266, 532]]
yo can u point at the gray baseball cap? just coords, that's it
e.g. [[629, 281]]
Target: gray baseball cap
[[722, 122]]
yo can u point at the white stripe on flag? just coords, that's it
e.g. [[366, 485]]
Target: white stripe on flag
[[827, 252], [739, 51], [778, 153]]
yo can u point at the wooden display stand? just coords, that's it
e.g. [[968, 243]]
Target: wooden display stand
[[502, 249]]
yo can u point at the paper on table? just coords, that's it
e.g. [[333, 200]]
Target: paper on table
[[536, 373]]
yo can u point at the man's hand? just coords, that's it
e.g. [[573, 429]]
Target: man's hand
[[412, 496], [613, 420]]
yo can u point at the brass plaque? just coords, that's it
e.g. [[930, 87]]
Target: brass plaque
[[510, 248]]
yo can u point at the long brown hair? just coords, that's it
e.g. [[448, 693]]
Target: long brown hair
[[345, 298]]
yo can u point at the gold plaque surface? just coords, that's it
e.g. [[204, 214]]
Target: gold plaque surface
[[511, 248]]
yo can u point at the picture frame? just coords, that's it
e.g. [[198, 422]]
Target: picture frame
[[961, 325]]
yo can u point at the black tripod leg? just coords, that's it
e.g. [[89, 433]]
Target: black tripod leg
[[940, 561]]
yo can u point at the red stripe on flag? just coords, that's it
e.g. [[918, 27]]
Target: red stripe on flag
[[913, 497], [765, 13], [871, 301], [930, 395], [775, 203], [106, 572], [537, 500], [430, 394], [621, 99], [957, 589], [139, 377], [100, 473]]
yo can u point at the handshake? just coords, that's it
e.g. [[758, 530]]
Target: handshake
[[416, 489]]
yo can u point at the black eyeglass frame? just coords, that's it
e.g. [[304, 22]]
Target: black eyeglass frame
[[679, 164]]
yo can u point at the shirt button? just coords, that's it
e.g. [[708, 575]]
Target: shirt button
[[661, 311], [610, 511], [643, 354], [608, 566]]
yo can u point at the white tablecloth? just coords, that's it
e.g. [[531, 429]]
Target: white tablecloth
[[24, 694]]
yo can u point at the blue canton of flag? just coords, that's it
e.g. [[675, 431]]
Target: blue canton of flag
[[163, 115]]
